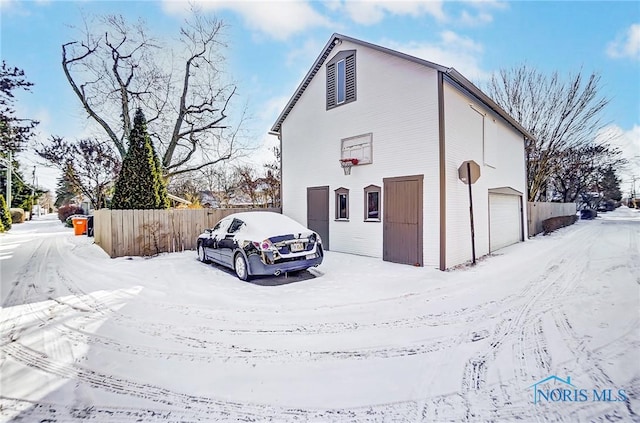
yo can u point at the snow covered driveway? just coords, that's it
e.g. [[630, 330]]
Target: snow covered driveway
[[86, 337]]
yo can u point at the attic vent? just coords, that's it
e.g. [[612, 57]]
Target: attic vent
[[341, 79]]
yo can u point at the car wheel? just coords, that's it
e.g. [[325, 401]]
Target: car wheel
[[202, 256], [240, 266]]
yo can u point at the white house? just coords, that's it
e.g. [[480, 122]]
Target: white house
[[410, 124]]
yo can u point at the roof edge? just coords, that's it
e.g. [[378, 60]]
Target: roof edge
[[452, 73], [275, 129]]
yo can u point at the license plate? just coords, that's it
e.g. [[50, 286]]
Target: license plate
[[298, 246]]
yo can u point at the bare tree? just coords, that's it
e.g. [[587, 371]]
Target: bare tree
[[187, 187], [89, 166], [272, 178], [561, 114], [117, 67], [221, 181], [248, 182], [581, 170]]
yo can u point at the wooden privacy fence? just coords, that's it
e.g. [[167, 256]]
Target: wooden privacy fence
[[148, 232], [539, 211]]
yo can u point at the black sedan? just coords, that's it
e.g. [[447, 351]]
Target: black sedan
[[260, 243]]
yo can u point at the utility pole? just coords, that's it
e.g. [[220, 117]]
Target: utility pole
[[9, 172], [33, 193]]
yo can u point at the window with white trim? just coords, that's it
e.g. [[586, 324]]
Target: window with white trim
[[341, 79], [372, 203], [342, 204]]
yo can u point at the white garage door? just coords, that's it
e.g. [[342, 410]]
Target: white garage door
[[504, 220]]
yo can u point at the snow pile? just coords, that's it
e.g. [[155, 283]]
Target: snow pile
[[171, 339]]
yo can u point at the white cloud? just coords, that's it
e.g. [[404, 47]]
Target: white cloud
[[277, 19], [272, 108], [452, 50], [305, 54], [482, 18], [628, 141], [626, 45], [373, 11], [262, 146], [13, 7]]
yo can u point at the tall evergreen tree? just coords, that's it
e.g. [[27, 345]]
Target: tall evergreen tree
[[15, 132], [611, 185], [66, 192], [160, 183], [140, 184]]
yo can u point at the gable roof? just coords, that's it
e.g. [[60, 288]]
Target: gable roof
[[451, 73]]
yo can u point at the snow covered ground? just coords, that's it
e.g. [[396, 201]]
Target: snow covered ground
[[86, 337]]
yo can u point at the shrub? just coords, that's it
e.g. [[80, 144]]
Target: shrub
[[550, 225], [5, 215], [17, 215], [65, 212]]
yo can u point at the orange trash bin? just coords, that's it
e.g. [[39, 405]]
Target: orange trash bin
[[79, 225]]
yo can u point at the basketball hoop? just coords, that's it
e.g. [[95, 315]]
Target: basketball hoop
[[346, 165]]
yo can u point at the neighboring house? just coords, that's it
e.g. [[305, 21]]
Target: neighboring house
[[210, 199], [178, 202], [411, 124]]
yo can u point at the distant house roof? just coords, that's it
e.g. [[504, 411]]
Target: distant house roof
[[453, 74], [178, 199]]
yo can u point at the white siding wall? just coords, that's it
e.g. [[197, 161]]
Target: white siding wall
[[397, 101], [463, 132]]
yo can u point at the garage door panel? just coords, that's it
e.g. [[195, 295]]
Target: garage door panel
[[504, 221]]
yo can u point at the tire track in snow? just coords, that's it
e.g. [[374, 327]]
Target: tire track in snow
[[25, 292], [543, 290], [194, 407], [211, 351], [590, 364]]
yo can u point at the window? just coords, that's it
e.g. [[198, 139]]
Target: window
[[372, 203], [342, 204], [341, 79], [340, 82]]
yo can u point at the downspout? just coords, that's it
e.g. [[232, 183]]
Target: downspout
[[443, 174], [525, 197], [281, 203], [279, 135]]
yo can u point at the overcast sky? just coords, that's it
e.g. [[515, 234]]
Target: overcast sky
[[271, 45]]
